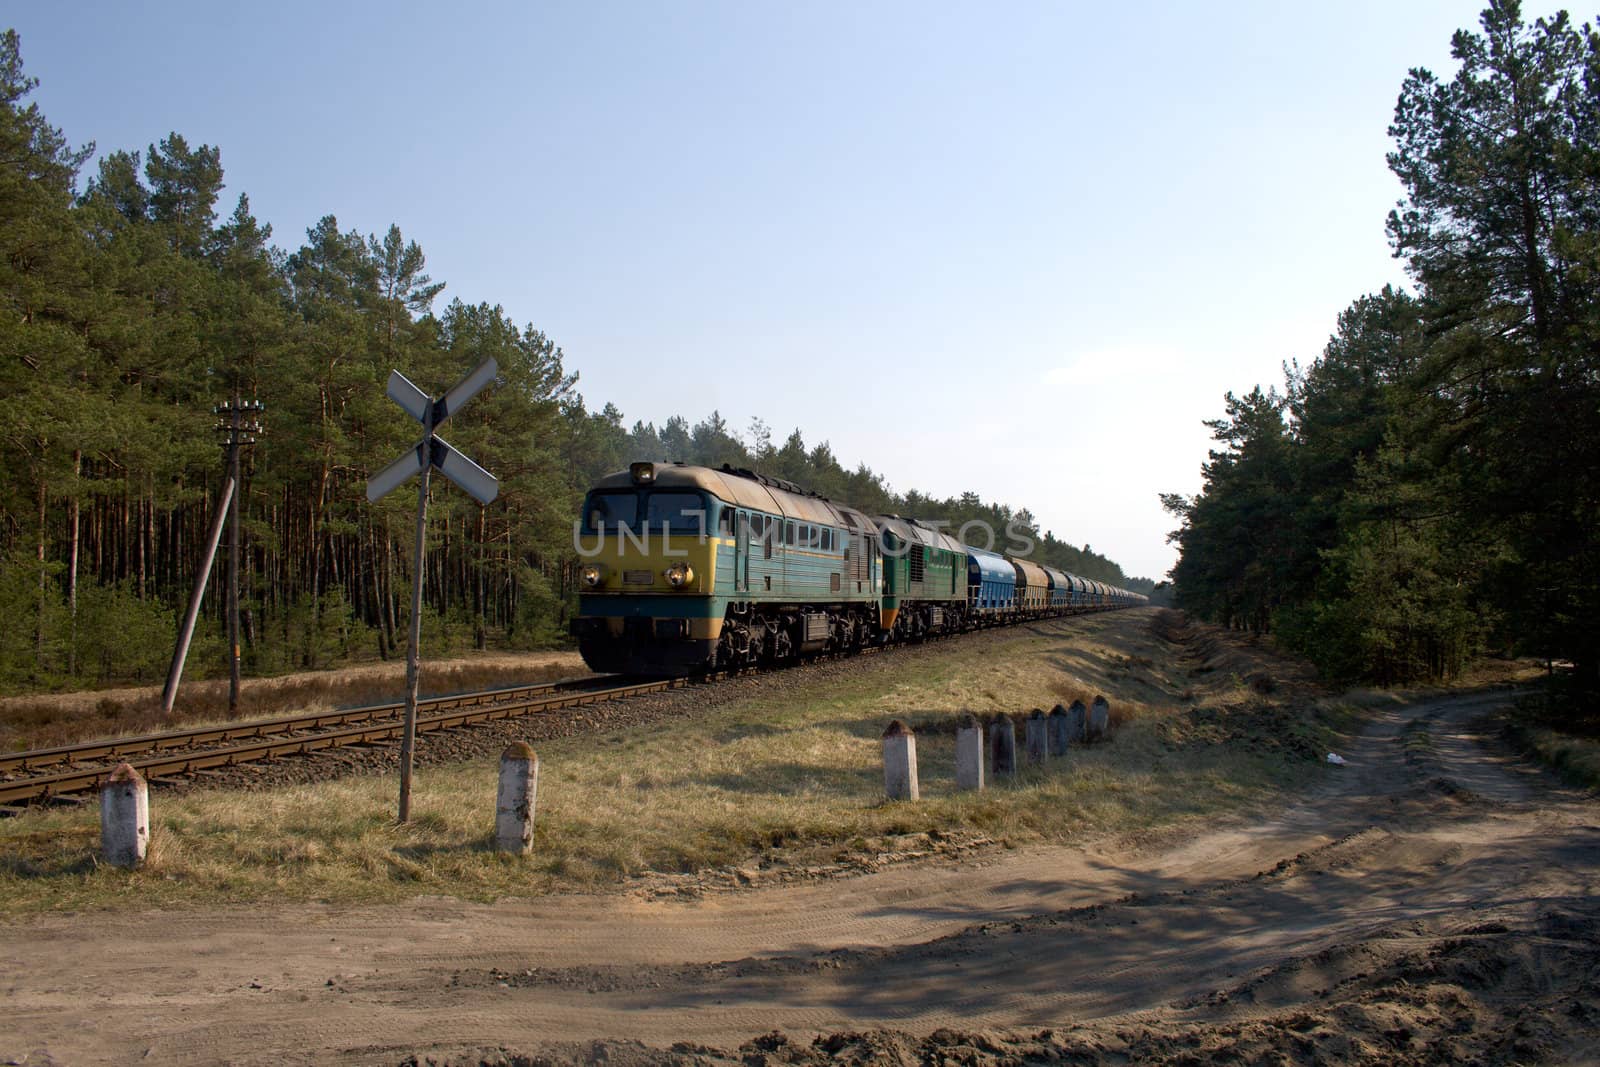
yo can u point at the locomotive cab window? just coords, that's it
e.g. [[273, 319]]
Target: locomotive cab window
[[676, 512], [605, 512]]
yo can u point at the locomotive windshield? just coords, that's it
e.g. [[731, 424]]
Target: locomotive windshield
[[608, 512], [675, 512]]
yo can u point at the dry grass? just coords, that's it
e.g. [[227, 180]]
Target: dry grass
[[795, 772], [64, 718], [1562, 731], [1576, 759]]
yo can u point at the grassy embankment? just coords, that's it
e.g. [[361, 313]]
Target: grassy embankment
[[789, 774], [1563, 735]]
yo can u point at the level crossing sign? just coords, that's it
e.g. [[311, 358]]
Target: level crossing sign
[[433, 450], [430, 453]]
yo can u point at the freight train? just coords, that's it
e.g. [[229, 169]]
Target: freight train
[[688, 569]]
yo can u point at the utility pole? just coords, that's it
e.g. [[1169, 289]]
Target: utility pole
[[238, 431], [241, 422]]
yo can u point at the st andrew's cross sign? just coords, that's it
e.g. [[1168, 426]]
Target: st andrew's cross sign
[[430, 453], [433, 450]]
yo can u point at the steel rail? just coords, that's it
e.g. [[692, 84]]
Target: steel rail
[[64, 783], [473, 708], [122, 747]]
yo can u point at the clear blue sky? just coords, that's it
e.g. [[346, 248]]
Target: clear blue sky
[[1021, 249]]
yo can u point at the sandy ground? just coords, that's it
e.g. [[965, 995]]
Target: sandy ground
[[1410, 911]]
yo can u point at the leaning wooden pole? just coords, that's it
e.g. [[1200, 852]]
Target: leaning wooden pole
[[408, 739], [213, 538]]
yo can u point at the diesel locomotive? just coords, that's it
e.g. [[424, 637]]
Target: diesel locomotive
[[688, 569]]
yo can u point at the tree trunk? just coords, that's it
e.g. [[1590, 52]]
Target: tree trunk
[[147, 537], [38, 636], [388, 585], [308, 656], [74, 517], [376, 578], [479, 549]]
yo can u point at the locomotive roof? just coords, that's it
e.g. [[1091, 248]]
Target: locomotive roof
[[747, 490], [913, 532]]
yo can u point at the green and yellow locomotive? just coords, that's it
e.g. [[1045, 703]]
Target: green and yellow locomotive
[[687, 569]]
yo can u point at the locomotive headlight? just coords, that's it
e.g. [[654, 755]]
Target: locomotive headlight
[[679, 575], [592, 575]]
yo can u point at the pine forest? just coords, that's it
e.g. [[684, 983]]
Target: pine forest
[[135, 302]]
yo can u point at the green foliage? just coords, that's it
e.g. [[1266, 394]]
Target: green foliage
[[130, 309], [26, 641], [1240, 536], [114, 635], [119, 636], [539, 614], [1437, 484]]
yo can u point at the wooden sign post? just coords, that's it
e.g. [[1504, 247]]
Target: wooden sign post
[[430, 452]]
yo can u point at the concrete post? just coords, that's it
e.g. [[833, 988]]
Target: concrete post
[[900, 762], [1003, 746], [124, 817], [518, 795], [969, 753], [1057, 729], [1034, 737], [1099, 719], [1078, 723]]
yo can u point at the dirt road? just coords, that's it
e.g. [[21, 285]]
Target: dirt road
[[1421, 908]]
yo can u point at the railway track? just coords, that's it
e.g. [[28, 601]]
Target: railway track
[[187, 752], [164, 757]]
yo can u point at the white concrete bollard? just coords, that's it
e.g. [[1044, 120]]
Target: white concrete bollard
[[1003, 746], [1034, 738], [969, 753], [1078, 723], [518, 796], [1099, 719], [124, 817], [900, 762], [1057, 729]]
